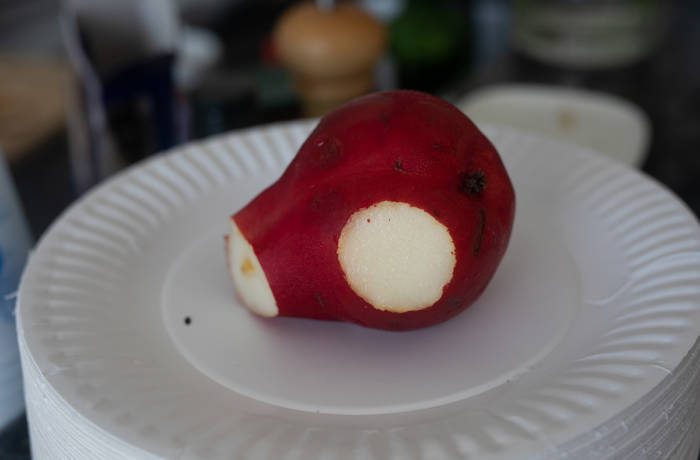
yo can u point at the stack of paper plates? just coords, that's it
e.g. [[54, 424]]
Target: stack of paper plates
[[583, 346]]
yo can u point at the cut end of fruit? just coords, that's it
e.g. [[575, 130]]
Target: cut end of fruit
[[395, 256], [248, 276]]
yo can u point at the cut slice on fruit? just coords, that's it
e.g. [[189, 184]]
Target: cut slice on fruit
[[248, 276], [397, 257]]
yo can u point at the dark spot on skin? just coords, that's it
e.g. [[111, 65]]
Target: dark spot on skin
[[454, 304], [369, 220], [398, 165], [479, 232], [319, 300], [384, 118], [326, 201], [188, 320], [472, 184], [438, 147]]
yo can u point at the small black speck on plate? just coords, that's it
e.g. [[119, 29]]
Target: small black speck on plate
[[188, 320]]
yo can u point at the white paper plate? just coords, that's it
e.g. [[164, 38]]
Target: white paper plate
[[596, 302]]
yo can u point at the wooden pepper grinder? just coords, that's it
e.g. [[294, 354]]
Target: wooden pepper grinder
[[331, 50]]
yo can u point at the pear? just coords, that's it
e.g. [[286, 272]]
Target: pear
[[394, 214]]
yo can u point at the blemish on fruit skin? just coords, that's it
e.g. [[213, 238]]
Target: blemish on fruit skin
[[247, 267], [398, 165], [319, 300], [327, 201], [455, 304], [384, 118], [369, 220], [472, 184], [328, 151], [479, 232]]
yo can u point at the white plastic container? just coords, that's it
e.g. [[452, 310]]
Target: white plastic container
[[14, 246]]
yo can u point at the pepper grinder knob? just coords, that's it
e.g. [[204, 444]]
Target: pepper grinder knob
[[331, 51]]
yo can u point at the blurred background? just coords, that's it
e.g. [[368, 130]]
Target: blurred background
[[88, 87]]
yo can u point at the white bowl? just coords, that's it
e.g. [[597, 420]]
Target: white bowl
[[600, 121]]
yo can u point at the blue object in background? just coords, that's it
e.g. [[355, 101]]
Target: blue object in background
[[2, 276], [7, 283], [14, 247]]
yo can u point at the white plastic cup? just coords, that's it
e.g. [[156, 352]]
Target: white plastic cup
[[14, 246]]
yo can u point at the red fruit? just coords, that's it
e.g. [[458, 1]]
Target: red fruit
[[394, 214]]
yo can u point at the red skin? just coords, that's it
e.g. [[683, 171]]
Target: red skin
[[398, 146]]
